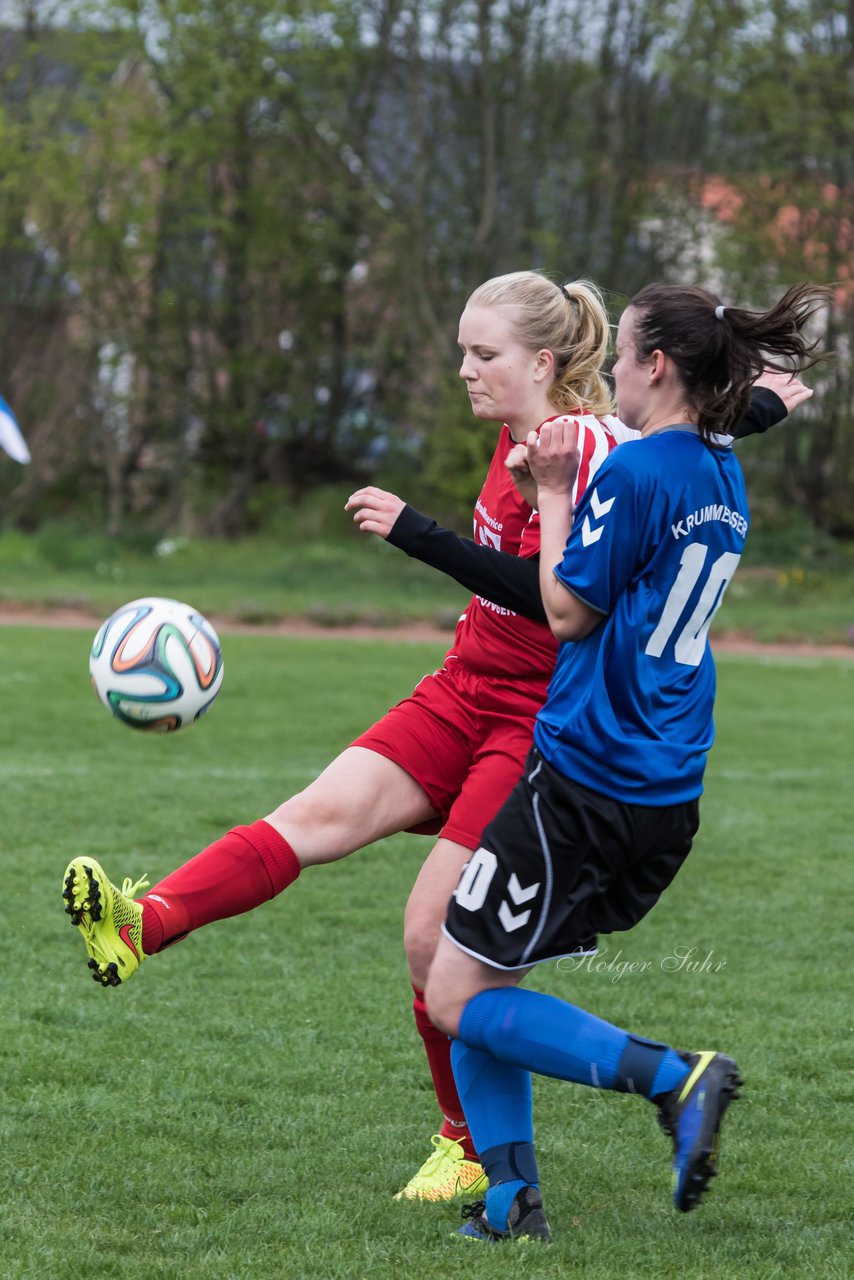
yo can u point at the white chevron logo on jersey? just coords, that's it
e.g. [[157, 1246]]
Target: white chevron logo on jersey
[[588, 534], [600, 509]]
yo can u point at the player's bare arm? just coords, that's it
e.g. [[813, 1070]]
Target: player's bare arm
[[374, 510]]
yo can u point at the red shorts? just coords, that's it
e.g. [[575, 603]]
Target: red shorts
[[464, 738]]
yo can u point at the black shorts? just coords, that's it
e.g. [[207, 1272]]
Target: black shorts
[[559, 864]]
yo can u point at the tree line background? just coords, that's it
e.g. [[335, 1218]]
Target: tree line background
[[235, 237]]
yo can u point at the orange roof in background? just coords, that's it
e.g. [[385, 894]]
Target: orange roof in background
[[824, 231]]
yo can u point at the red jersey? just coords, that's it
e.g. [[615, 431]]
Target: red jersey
[[493, 640]]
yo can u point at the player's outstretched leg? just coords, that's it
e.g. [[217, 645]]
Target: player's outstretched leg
[[107, 917], [526, 1219], [445, 1175], [453, 1167], [534, 1032], [692, 1115]]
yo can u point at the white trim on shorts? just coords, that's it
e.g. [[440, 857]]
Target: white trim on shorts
[[517, 968]]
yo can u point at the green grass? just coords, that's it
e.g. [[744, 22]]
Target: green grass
[[789, 588], [351, 578], [247, 1106]]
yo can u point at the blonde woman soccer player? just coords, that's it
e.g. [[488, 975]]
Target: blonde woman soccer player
[[446, 758]]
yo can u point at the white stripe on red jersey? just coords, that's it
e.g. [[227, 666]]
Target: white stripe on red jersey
[[494, 640]]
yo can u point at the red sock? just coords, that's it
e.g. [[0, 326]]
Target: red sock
[[438, 1048], [246, 867]]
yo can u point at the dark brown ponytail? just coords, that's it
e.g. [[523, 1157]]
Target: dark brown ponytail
[[720, 350]]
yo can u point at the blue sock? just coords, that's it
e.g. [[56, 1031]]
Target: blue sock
[[496, 1098], [671, 1071], [543, 1034], [499, 1199]]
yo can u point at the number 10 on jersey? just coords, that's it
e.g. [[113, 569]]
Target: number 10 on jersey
[[691, 642]]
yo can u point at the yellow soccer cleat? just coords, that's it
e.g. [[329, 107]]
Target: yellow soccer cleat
[[108, 918], [445, 1174]]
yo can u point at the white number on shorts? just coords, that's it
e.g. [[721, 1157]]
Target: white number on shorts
[[691, 642], [475, 880]]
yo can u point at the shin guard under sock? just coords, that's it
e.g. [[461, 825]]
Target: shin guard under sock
[[498, 1103], [549, 1036], [497, 1097], [544, 1035], [246, 867]]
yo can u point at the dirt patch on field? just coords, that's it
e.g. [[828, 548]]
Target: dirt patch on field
[[736, 642], [81, 619], [409, 633]]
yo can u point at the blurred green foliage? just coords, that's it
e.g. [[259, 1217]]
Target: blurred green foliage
[[235, 237]]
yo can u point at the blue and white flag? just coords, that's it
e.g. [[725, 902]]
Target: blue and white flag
[[10, 435]]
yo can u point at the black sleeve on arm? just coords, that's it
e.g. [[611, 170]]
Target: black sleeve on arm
[[765, 410], [508, 581]]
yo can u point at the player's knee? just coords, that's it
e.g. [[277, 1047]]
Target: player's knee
[[316, 824], [293, 813], [420, 936], [443, 1008]]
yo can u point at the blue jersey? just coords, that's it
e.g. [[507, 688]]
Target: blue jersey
[[655, 540]]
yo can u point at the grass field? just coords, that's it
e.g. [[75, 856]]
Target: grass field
[[247, 1106], [797, 587]]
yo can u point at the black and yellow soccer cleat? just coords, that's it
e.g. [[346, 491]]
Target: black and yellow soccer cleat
[[692, 1114], [107, 917]]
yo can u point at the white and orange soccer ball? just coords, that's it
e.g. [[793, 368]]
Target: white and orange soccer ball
[[156, 664]]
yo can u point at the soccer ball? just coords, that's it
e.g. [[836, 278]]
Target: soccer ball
[[156, 664]]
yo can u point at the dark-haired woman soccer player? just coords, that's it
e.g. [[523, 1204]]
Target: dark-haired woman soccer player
[[450, 754], [605, 813]]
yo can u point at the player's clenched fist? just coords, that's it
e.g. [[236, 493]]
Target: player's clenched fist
[[374, 510], [552, 455], [516, 463]]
